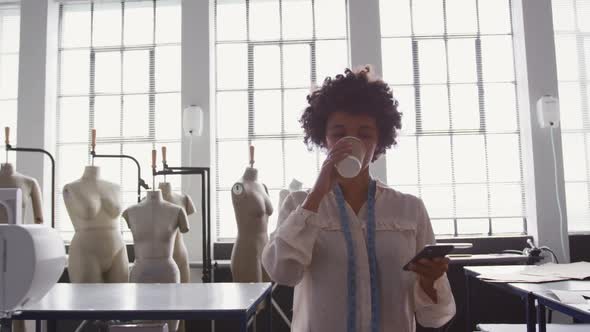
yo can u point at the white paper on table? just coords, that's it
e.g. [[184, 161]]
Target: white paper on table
[[570, 297], [579, 270], [518, 277]]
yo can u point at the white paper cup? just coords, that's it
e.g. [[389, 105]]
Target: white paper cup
[[352, 165]]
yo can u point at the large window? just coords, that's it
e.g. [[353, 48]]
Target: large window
[[450, 65], [9, 48], [119, 73], [572, 46], [268, 54]]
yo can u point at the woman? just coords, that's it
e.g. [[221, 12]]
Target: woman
[[343, 243]]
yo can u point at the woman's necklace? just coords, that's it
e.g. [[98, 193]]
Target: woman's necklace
[[345, 223]]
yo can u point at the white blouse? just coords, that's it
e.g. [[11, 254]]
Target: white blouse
[[308, 251]]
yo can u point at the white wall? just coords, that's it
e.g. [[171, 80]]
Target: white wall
[[536, 76], [196, 90], [37, 90], [364, 32]]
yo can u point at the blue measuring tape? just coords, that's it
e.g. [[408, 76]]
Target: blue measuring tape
[[345, 222]]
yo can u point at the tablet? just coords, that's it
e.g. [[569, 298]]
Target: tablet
[[431, 251]]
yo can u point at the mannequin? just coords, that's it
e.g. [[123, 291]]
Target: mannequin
[[180, 254], [97, 253], [31, 193], [295, 185], [252, 207], [154, 223]]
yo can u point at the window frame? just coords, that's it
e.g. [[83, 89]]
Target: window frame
[[120, 49]]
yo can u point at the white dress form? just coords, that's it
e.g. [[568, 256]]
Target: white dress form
[[31, 193], [154, 223], [252, 207], [97, 253], [295, 185], [180, 254]]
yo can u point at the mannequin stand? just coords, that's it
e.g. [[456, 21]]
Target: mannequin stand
[[205, 209], [10, 148], [140, 182]]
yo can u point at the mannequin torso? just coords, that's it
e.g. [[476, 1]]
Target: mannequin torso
[[97, 252], [31, 194], [180, 254], [154, 223], [295, 185], [252, 207]]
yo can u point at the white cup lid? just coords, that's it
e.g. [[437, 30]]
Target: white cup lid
[[349, 167]]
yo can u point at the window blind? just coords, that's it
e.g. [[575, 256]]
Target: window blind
[[119, 73], [572, 50], [9, 50], [450, 65], [268, 54]]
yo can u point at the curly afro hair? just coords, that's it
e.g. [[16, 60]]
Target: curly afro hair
[[355, 92]]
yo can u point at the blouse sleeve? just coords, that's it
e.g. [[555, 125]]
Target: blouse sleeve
[[289, 250], [430, 313]]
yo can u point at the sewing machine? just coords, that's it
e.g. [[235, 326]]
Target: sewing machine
[[32, 258]]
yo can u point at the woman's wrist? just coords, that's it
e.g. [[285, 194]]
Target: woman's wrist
[[312, 201], [427, 286]]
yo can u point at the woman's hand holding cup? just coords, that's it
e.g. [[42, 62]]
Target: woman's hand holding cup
[[328, 175], [352, 164]]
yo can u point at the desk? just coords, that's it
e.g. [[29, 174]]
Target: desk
[[207, 301], [471, 273], [545, 298], [489, 259]]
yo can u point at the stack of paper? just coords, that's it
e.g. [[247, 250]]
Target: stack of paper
[[542, 273], [579, 270], [571, 297], [518, 277]]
